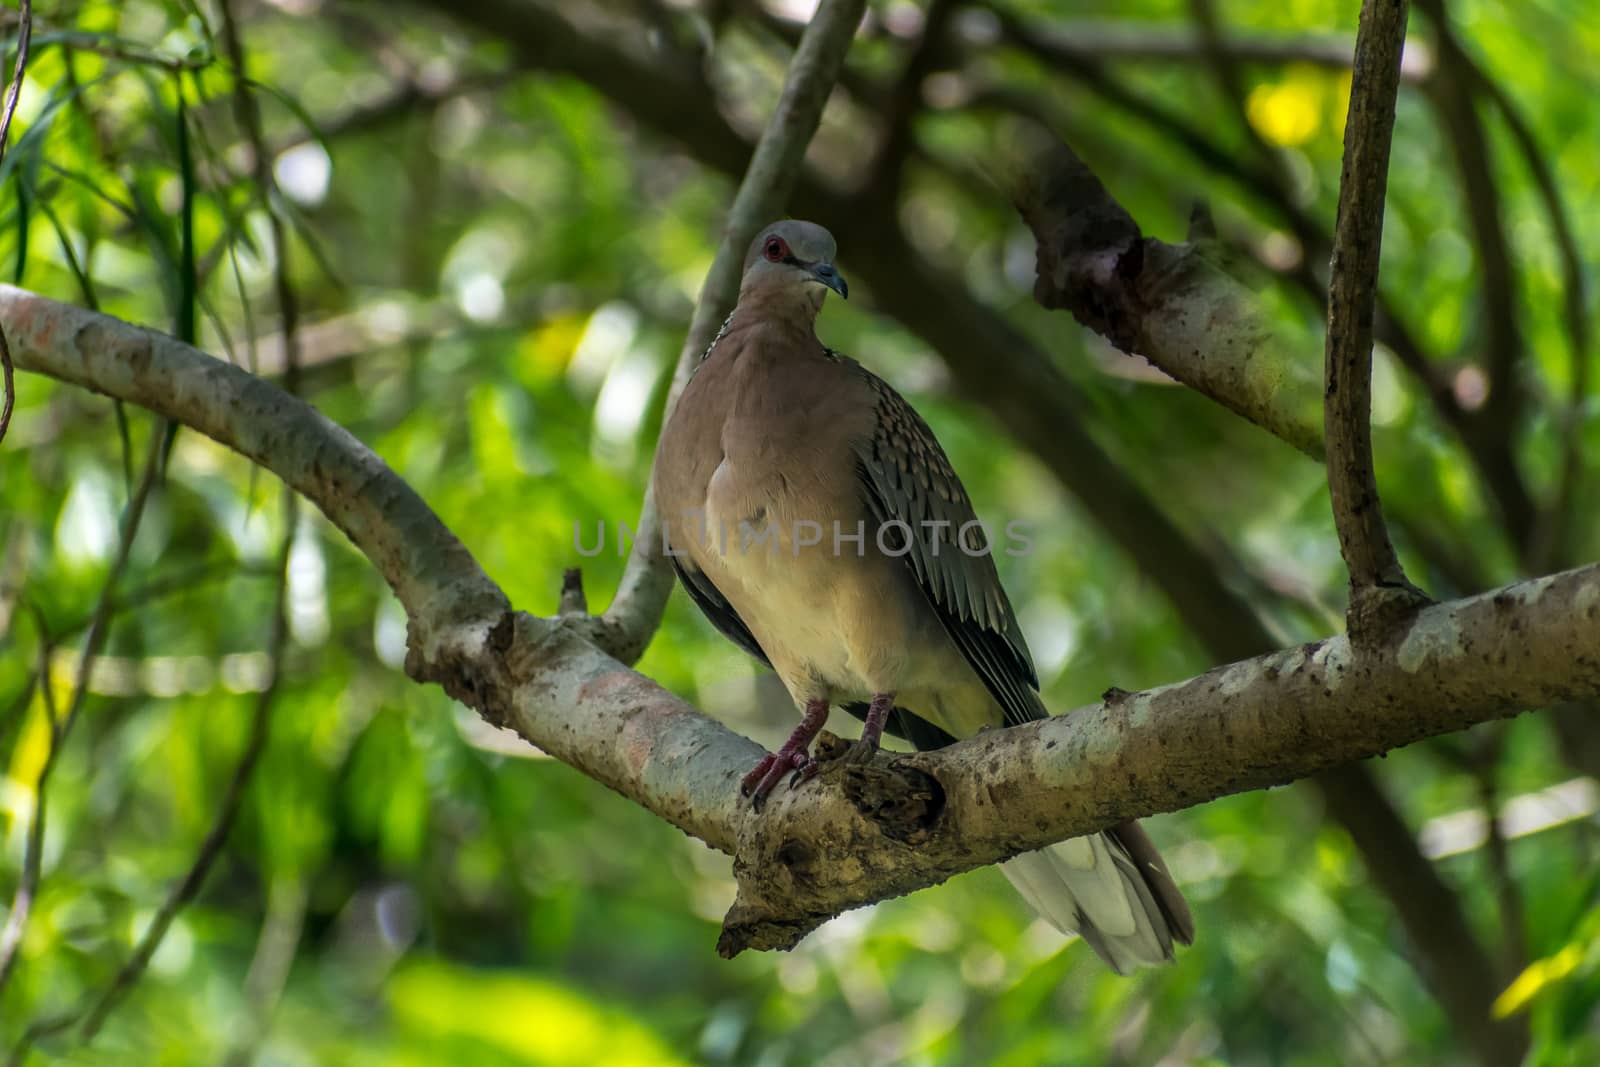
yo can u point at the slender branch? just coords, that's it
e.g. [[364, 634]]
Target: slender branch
[[8, 390], [61, 726], [227, 809], [774, 168], [1358, 237], [8, 387]]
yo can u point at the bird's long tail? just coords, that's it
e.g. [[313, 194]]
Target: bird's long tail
[[1113, 890]]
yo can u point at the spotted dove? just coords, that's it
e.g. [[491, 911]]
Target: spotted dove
[[813, 517]]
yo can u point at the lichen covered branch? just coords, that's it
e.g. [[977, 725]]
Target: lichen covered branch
[[1352, 291]]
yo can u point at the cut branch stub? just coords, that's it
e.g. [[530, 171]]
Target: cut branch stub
[[1169, 303]]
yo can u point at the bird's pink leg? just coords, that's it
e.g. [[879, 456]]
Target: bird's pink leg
[[793, 756], [871, 729]]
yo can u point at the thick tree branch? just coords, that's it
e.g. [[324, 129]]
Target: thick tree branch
[[1352, 288], [900, 823]]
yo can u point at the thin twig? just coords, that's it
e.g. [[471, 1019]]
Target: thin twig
[[227, 810], [7, 386], [112, 47], [774, 167], [1357, 240], [36, 1033], [8, 390], [269, 966], [27, 887], [1507, 892]]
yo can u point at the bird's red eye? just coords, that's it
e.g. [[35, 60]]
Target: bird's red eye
[[776, 250]]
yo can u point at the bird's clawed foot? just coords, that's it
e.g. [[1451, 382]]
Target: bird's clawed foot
[[871, 730], [760, 782], [793, 758], [862, 751]]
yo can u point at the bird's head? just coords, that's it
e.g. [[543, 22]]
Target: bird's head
[[791, 262]]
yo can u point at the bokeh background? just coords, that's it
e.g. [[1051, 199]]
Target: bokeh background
[[496, 215]]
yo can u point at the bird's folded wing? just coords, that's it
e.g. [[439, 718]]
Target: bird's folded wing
[[715, 607], [907, 479]]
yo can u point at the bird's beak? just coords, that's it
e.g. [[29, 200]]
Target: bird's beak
[[825, 274]]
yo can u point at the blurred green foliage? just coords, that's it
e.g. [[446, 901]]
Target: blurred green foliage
[[495, 269]]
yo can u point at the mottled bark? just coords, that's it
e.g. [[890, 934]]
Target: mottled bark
[[1378, 585]]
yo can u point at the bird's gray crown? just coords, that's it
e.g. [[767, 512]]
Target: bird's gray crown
[[808, 242], [789, 264]]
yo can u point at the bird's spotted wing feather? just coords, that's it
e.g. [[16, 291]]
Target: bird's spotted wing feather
[[906, 478]]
